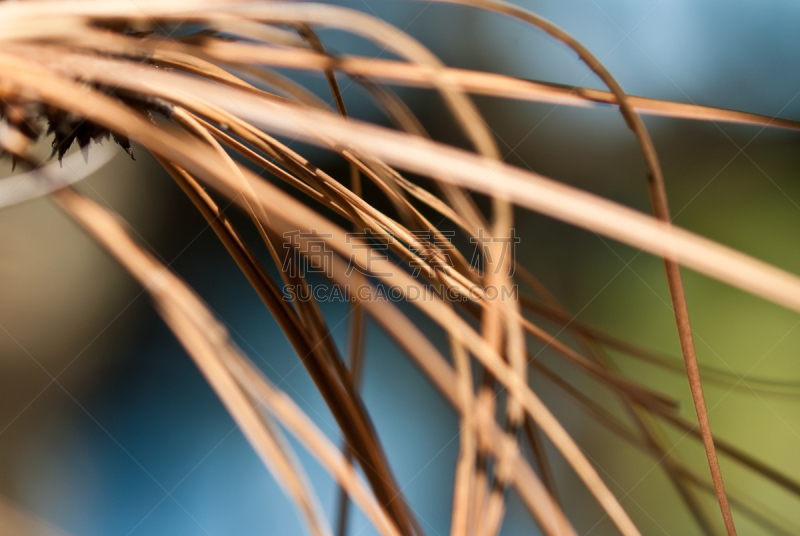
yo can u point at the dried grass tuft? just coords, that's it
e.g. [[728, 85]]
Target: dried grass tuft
[[83, 71]]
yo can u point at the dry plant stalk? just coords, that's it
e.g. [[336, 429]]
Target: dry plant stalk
[[95, 69]]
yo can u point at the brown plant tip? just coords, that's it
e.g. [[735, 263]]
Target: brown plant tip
[[67, 128], [28, 116]]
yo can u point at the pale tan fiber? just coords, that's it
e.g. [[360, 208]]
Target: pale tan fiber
[[442, 375], [527, 189], [207, 341], [537, 410], [531, 406], [660, 207], [16, 520], [762, 514], [320, 348], [409, 74], [203, 337]]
